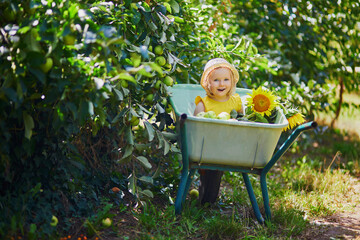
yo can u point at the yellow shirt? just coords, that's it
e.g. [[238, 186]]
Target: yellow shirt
[[234, 102]]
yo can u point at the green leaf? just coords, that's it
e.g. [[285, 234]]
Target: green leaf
[[150, 130], [129, 136], [152, 26], [175, 6], [148, 193], [156, 67], [144, 161], [31, 42], [29, 125], [127, 77], [118, 94], [166, 147], [170, 136], [131, 184], [147, 179], [128, 151]]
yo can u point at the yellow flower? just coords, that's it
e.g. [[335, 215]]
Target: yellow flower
[[295, 120], [262, 101]]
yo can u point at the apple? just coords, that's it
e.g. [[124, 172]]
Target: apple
[[224, 116], [201, 114], [164, 102], [157, 84], [168, 109], [168, 81], [160, 60], [54, 221], [167, 67], [194, 194], [47, 65], [134, 6], [149, 97], [159, 50], [124, 84], [135, 121], [106, 222], [210, 114], [69, 39]]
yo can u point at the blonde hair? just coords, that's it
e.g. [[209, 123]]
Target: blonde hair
[[216, 63], [233, 83]]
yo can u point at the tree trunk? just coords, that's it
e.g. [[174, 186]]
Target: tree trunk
[[341, 92]]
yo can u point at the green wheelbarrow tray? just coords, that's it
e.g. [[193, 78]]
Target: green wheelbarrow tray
[[225, 145]]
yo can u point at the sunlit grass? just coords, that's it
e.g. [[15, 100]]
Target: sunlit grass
[[349, 118], [318, 193]]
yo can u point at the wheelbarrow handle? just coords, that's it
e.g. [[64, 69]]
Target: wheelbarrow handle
[[285, 146], [307, 126]]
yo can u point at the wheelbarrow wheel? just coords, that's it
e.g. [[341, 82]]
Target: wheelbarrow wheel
[[209, 185]]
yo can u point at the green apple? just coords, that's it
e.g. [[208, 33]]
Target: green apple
[[157, 84], [47, 65], [168, 109], [54, 221], [167, 67], [135, 121], [149, 97], [124, 84], [134, 6], [194, 194], [164, 102], [210, 114], [69, 39], [159, 50], [106, 222], [168, 81], [201, 114], [224, 116], [160, 60]]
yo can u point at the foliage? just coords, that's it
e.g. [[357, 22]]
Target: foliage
[[83, 95], [314, 45], [84, 86]]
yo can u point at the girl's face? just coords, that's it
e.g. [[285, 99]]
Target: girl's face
[[220, 83]]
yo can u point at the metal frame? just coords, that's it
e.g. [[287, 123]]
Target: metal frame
[[189, 170]]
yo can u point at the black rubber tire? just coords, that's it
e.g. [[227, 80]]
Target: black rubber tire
[[209, 185]]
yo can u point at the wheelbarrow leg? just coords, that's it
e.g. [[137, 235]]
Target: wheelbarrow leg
[[181, 194], [188, 183], [252, 198], [181, 191], [265, 196]]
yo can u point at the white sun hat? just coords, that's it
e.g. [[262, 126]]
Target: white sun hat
[[217, 63]]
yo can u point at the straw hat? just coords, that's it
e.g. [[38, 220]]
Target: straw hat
[[216, 63]]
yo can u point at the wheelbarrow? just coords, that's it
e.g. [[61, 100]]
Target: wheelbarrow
[[246, 147]]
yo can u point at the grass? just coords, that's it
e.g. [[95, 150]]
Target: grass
[[307, 184], [349, 119], [314, 179]]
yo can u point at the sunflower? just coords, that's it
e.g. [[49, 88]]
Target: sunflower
[[295, 118], [262, 101]]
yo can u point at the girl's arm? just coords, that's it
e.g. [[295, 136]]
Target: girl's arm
[[200, 107]]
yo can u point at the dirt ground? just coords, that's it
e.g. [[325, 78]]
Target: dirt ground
[[344, 225]]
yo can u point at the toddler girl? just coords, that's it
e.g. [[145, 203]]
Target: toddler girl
[[219, 81]]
